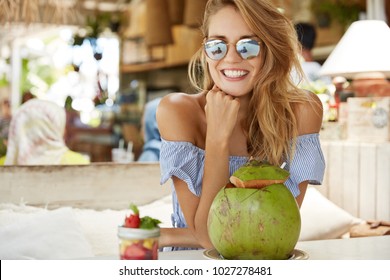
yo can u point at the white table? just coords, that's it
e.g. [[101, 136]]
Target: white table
[[364, 248]]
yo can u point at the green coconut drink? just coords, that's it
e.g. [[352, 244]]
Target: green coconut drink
[[259, 220]]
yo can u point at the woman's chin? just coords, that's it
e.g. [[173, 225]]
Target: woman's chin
[[235, 93]]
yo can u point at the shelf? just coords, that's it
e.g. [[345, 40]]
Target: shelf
[[149, 66], [187, 42]]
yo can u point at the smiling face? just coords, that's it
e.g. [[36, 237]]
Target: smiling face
[[232, 74]]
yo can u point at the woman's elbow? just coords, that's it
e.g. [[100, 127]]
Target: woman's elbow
[[202, 237]]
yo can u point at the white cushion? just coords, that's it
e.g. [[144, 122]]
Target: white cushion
[[95, 229], [322, 219], [42, 235]]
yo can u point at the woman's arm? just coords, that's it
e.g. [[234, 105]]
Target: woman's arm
[[221, 113], [177, 237], [302, 188], [309, 115], [309, 120], [176, 124]]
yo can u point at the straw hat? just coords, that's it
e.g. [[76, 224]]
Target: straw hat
[[136, 27], [158, 25], [176, 11], [193, 12]]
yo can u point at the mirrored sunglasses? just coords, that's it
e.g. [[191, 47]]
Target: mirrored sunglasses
[[217, 49]]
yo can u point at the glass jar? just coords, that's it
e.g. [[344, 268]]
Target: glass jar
[[138, 244]]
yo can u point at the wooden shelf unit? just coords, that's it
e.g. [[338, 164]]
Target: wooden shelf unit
[[186, 42]]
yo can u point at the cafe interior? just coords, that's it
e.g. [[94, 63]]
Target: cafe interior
[[104, 61]]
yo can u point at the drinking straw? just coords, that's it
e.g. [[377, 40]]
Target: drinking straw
[[130, 147], [121, 144]]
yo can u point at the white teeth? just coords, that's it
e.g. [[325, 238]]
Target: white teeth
[[234, 73]]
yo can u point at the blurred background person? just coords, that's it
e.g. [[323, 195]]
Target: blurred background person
[[5, 119], [27, 95], [307, 37], [150, 132], [36, 136]]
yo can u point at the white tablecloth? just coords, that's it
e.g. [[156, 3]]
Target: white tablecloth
[[365, 248]]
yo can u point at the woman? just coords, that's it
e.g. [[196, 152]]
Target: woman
[[36, 136], [247, 106]]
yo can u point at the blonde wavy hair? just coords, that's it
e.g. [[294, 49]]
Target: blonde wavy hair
[[271, 124]]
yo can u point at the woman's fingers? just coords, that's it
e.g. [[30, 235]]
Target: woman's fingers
[[221, 112]]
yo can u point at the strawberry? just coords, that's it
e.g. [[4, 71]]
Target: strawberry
[[135, 252], [133, 221]]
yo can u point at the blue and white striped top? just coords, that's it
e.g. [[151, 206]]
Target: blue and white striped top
[[186, 161]]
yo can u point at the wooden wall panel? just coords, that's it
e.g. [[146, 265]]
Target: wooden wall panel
[[357, 177]]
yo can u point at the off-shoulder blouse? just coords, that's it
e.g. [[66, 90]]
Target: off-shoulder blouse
[[186, 161]]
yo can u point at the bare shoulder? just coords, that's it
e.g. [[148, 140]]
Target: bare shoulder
[[178, 115], [309, 114]]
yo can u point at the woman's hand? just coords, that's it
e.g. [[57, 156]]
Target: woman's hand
[[221, 114]]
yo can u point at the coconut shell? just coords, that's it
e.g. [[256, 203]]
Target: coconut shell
[[254, 224]]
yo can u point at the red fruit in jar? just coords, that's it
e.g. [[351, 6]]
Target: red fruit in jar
[[132, 221], [135, 252], [138, 237], [155, 251]]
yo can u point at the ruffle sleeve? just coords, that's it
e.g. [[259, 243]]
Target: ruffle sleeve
[[308, 163], [183, 160]]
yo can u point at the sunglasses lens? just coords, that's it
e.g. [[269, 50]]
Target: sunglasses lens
[[248, 48], [215, 49]]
